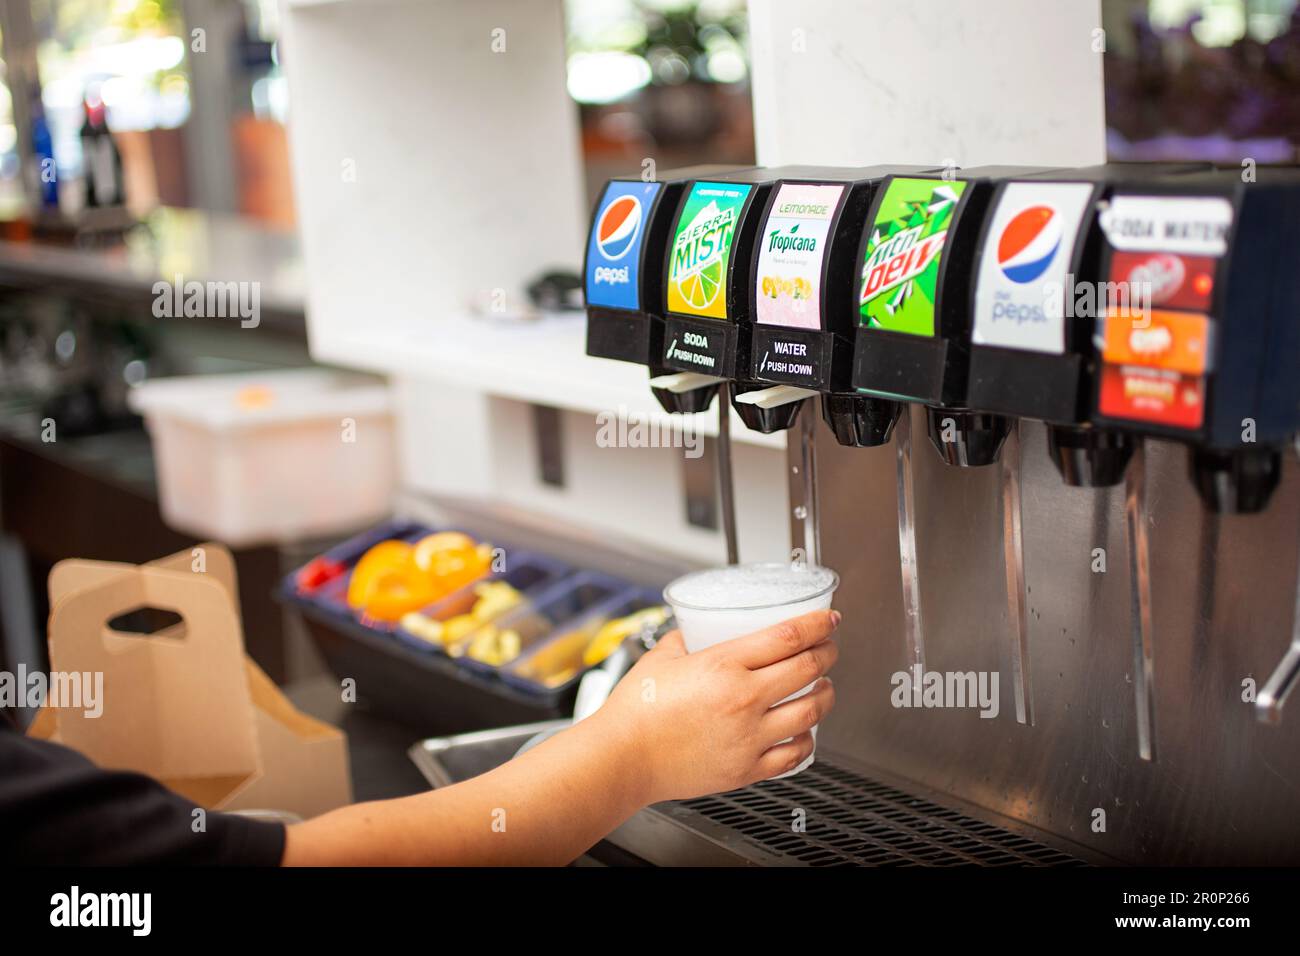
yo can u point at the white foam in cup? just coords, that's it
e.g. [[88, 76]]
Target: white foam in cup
[[719, 604]]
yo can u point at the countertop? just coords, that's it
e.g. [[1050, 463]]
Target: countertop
[[189, 243]]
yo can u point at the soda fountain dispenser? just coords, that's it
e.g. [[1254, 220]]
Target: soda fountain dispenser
[[801, 335], [1036, 229], [624, 276], [912, 344], [1034, 311], [709, 295], [801, 332], [914, 340], [635, 231], [1210, 357], [1031, 347]]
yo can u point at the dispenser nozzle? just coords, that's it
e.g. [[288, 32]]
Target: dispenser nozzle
[[683, 392], [859, 421], [1236, 482], [965, 438], [768, 408], [1090, 457]]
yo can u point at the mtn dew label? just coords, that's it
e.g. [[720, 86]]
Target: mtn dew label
[[706, 231], [900, 269]]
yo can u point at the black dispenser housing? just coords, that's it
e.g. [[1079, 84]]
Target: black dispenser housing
[[1025, 360], [623, 274], [818, 353], [1215, 363], [930, 366]]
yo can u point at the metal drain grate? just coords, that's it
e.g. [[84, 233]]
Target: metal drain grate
[[855, 821]]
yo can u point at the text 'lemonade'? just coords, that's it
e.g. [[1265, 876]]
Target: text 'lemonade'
[[720, 604]]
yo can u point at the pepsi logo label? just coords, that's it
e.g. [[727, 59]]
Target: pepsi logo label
[[1024, 264], [1029, 243], [618, 227], [614, 245]]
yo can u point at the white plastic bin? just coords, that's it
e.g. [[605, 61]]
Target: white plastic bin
[[266, 457]]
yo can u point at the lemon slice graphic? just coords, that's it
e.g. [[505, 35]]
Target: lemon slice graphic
[[699, 289]]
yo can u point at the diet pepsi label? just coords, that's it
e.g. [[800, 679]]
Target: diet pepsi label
[[1019, 293], [614, 246]]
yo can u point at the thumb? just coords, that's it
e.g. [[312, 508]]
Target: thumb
[[670, 645]]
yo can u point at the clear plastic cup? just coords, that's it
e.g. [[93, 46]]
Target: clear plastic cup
[[719, 604]]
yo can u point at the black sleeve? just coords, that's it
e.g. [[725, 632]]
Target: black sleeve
[[56, 807]]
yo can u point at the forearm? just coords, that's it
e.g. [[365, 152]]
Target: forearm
[[545, 808]]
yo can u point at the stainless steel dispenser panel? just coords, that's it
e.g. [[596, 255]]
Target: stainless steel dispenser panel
[[1224, 788]]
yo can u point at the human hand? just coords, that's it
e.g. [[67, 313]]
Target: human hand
[[706, 722]]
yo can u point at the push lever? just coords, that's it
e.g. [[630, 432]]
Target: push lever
[[1269, 703], [1140, 623], [1013, 545], [912, 629], [678, 382], [809, 510], [726, 481], [774, 396]]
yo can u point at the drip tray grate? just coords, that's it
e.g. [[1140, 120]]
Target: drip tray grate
[[852, 820]]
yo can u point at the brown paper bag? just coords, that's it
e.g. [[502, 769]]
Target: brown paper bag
[[185, 705]]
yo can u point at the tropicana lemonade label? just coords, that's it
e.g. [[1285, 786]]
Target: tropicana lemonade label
[[792, 248]]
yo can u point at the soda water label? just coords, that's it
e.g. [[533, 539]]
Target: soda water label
[[701, 251], [1190, 225], [1020, 287], [904, 249], [792, 248], [614, 246]]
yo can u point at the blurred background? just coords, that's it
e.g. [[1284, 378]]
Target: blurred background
[[1185, 79]]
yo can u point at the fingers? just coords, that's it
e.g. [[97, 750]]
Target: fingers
[[783, 757], [780, 680], [801, 714], [782, 640], [670, 645]]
